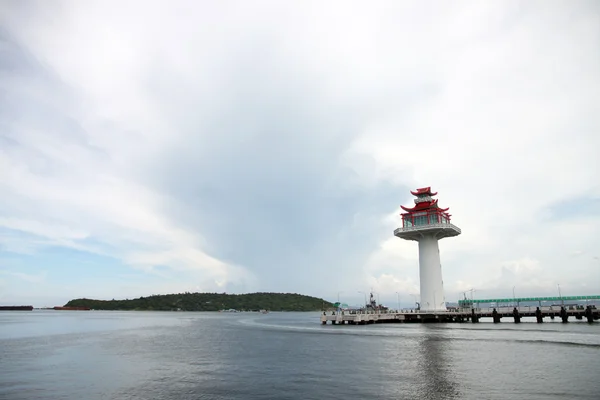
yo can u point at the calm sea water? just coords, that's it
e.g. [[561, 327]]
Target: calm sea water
[[152, 355]]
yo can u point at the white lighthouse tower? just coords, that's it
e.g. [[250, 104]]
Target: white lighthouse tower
[[426, 223]]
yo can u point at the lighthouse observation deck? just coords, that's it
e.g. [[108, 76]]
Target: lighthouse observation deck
[[426, 218], [438, 230]]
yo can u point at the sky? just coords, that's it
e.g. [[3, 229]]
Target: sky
[[151, 147]]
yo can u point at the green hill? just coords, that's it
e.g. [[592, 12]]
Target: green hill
[[209, 302]]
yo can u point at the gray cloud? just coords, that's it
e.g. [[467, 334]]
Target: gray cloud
[[270, 191]]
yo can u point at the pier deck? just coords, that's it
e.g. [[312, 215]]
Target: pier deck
[[473, 315]]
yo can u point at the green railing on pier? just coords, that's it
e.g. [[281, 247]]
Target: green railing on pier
[[522, 299]]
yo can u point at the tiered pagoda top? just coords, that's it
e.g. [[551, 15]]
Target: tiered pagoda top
[[425, 218], [423, 191], [424, 201], [425, 206]]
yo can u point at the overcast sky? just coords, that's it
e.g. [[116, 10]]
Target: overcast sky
[[237, 146]]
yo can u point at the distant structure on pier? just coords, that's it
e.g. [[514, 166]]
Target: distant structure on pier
[[427, 223]]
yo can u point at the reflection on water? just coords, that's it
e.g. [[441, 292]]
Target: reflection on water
[[146, 355], [435, 368]]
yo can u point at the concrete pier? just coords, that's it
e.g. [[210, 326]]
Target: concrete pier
[[515, 314]]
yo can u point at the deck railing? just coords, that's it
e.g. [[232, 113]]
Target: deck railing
[[425, 227]]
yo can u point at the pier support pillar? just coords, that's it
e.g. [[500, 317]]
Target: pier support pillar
[[474, 318], [588, 314], [516, 315], [495, 316], [538, 315], [563, 315]]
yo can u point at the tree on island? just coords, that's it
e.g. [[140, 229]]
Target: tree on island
[[209, 302]]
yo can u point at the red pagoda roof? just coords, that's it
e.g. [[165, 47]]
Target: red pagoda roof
[[421, 205], [426, 205], [425, 190]]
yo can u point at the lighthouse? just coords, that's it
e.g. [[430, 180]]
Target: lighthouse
[[427, 223]]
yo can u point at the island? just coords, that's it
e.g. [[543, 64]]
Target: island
[[209, 302]]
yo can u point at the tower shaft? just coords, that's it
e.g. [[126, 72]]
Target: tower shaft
[[430, 275]]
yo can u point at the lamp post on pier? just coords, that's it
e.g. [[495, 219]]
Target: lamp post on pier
[[398, 294], [560, 295], [365, 305], [514, 297], [598, 259]]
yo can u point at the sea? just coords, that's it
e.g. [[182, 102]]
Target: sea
[[88, 355]]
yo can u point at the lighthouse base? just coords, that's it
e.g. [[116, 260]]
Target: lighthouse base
[[430, 275]]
